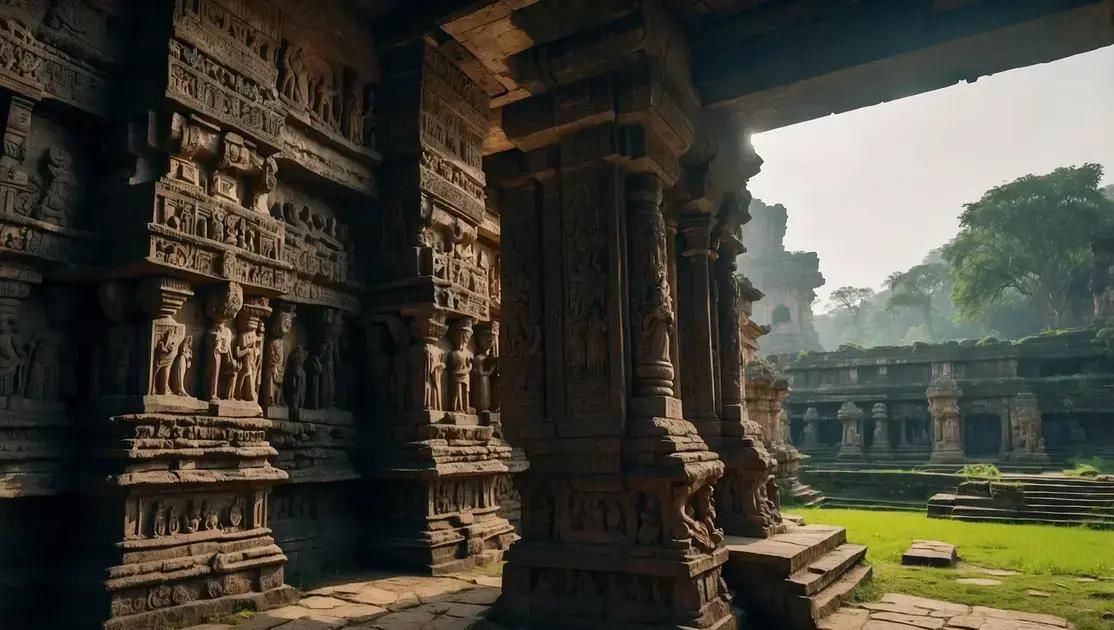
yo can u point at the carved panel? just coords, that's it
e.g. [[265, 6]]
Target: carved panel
[[203, 84], [588, 196]]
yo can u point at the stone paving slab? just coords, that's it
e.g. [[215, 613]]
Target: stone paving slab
[[905, 612], [462, 602], [930, 553]]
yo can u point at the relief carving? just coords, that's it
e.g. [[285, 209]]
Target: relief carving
[[484, 367], [427, 363], [274, 358], [221, 366], [460, 363]]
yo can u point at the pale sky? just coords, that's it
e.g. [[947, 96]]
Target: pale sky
[[873, 190]]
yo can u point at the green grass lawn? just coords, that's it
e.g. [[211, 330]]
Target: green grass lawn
[[1048, 559]]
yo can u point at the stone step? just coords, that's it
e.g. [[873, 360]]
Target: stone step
[[1033, 521], [876, 504], [1049, 506], [1029, 515], [789, 552], [805, 612], [827, 569]]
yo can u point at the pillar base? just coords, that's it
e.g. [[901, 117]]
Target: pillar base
[[948, 456], [563, 586]]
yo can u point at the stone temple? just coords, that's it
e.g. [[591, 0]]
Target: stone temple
[[293, 287], [787, 279]]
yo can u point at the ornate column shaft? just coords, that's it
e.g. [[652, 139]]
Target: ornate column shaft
[[851, 445], [943, 406]]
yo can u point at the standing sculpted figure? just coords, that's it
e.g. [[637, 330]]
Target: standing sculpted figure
[[182, 365], [274, 357], [245, 358], [460, 366], [657, 324], [166, 351], [295, 384], [12, 358], [221, 366], [484, 365]]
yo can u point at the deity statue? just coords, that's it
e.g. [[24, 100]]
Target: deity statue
[[165, 351], [222, 366], [292, 81], [485, 363], [657, 324], [182, 364], [44, 375], [274, 357], [460, 362], [294, 386], [57, 200], [245, 357], [12, 358]]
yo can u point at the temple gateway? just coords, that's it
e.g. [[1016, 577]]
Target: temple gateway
[[292, 287]]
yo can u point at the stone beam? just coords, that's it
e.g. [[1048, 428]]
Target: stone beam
[[811, 69]]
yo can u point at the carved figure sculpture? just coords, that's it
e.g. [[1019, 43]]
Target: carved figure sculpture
[[57, 200], [274, 357], [165, 353], [158, 529], [484, 365], [44, 374], [12, 358], [221, 367], [460, 366], [245, 358], [354, 115], [295, 384], [193, 519], [182, 364], [292, 80]]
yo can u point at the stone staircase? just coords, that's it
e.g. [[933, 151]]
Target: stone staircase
[[795, 579], [1046, 500], [804, 495]]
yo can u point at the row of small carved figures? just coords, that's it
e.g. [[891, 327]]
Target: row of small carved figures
[[315, 93], [166, 521]]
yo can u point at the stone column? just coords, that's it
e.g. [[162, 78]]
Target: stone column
[[851, 445], [943, 406], [881, 444], [617, 503], [698, 340], [435, 457]]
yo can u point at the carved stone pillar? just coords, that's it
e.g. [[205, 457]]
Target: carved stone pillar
[[880, 445], [617, 503], [698, 339], [851, 444], [943, 406], [434, 457]]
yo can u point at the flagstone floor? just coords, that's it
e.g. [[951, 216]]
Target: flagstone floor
[[406, 602]]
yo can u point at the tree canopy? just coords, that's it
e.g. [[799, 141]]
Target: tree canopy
[[1028, 237], [916, 288], [852, 300]]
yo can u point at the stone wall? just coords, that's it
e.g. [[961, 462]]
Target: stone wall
[[1017, 401]]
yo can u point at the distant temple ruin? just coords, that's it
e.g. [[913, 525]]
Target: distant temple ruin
[[787, 279], [1033, 402]]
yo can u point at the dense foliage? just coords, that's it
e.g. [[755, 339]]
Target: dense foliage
[[1020, 264], [1032, 237]]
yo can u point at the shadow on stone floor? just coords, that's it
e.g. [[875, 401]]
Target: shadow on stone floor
[[383, 602]]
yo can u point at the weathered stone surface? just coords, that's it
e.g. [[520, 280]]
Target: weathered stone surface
[[931, 553]]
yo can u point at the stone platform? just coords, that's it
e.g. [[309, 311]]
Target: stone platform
[[1039, 499], [930, 553], [905, 612], [795, 579]]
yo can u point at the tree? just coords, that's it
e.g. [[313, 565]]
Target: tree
[[916, 288], [852, 300], [1028, 237]]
